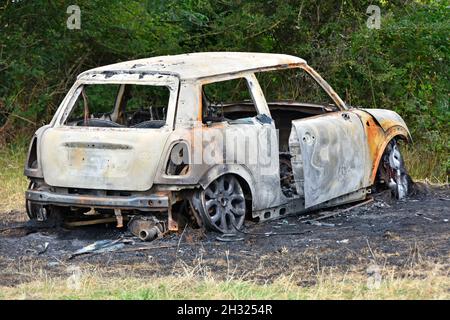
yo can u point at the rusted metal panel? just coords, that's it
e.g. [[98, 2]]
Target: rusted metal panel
[[388, 119], [143, 201], [374, 137], [381, 126], [334, 156]]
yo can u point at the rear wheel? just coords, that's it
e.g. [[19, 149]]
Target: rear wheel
[[30, 207], [45, 216], [223, 204]]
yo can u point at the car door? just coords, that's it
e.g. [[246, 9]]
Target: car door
[[329, 156], [249, 139]]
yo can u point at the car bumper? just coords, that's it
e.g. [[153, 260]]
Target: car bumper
[[159, 201]]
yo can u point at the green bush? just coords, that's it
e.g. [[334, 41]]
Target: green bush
[[403, 66]]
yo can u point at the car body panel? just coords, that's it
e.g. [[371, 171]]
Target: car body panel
[[200, 65], [334, 154], [388, 119], [381, 127], [100, 158]]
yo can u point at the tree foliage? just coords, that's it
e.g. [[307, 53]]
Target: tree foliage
[[403, 66]]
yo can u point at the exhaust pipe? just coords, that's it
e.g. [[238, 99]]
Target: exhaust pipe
[[147, 228], [149, 234]]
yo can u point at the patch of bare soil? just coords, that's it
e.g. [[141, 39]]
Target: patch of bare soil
[[384, 232]]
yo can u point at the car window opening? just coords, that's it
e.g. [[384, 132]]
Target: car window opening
[[229, 101], [291, 94], [126, 105]]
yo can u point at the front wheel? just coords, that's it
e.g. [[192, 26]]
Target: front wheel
[[392, 171]]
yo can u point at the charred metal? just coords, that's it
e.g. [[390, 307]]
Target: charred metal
[[211, 165]]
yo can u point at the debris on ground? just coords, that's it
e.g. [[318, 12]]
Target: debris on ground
[[320, 224], [147, 228], [45, 247], [229, 238], [391, 233], [101, 246], [381, 204], [334, 213]]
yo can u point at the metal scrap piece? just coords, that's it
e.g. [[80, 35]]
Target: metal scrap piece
[[100, 247]]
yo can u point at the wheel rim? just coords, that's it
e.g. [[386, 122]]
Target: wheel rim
[[398, 176], [224, 204]]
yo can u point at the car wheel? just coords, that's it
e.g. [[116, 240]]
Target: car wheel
[[53, 218], [224, 205], [392, 171], [30, 207]]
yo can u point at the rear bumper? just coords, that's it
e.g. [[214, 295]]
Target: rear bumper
[[159, 201]]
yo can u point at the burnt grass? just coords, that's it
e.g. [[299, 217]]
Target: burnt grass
[[387, 232]]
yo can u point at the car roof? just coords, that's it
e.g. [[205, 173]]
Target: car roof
[[202, 64]]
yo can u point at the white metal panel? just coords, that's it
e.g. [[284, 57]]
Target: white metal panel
[[334, 154], [102, 158], [202, 64]]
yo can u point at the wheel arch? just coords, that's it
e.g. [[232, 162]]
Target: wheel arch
[[242, 173], [390, 121], [395, 132]]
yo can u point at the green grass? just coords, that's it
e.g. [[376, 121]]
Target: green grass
[[13, 182], [432, 284], [425, 165]]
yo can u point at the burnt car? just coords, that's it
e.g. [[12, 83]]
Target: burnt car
[[162, 141]]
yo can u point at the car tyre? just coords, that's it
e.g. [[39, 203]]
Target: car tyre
[[223, 205]]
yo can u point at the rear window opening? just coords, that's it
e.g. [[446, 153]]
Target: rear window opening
[[120, 105]]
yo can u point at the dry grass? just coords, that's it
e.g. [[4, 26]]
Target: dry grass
[[426, 282], [425, 165], [13, 183], [85, 282]]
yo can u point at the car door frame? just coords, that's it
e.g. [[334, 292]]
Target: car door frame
[[333, 151], [266, 177]]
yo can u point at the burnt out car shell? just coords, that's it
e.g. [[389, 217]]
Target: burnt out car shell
[[334, 152]]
